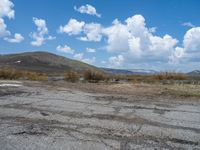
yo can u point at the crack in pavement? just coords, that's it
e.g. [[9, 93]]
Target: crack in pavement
[[109, 120], [134, 119]]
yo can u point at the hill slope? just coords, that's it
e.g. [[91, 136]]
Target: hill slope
[[43, 62]]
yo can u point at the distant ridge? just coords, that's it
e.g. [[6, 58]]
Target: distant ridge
[[50, 63], [43, 62], [129, 71], [194, 73]]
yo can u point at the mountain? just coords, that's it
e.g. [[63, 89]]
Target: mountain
[[194, 73], [116, 71], [43, 62], [129, 71], [144, 71]]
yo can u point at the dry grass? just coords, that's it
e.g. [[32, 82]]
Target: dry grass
[[12, 74], [157, 90], [72, 76], [35, 76], [169, 76], [182, 90], [149, 78], [7, 73]]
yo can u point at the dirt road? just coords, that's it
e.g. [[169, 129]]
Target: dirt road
[[38, 116]]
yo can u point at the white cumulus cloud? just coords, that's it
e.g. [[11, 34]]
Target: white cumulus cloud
[[6, 9], [134, 41], [192, 40], [164, 44], [41, 35], [116, 61], [188, 24], [3, 29], [16, 39], [90, 50], [175, 57], [87, 9], [65, 49], [190, 50], [92, 32], [118, 36], [80, 57], [89, 60], [41, 25], [73, 27]]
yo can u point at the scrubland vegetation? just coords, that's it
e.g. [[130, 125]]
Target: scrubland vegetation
[[169, 76], [93, 76], [12, 74], [174, 80], [171, 83]]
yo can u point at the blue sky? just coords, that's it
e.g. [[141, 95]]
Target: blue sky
[[148, 34]]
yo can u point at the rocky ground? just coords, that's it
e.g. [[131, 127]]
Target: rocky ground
[[36, 116]]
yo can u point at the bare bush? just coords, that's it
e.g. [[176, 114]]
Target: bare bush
[[94, 76], [72, 76]]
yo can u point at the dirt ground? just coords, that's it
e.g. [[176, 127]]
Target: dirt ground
[[88, 116]]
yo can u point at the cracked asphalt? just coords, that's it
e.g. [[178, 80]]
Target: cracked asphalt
[[38, 116]]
